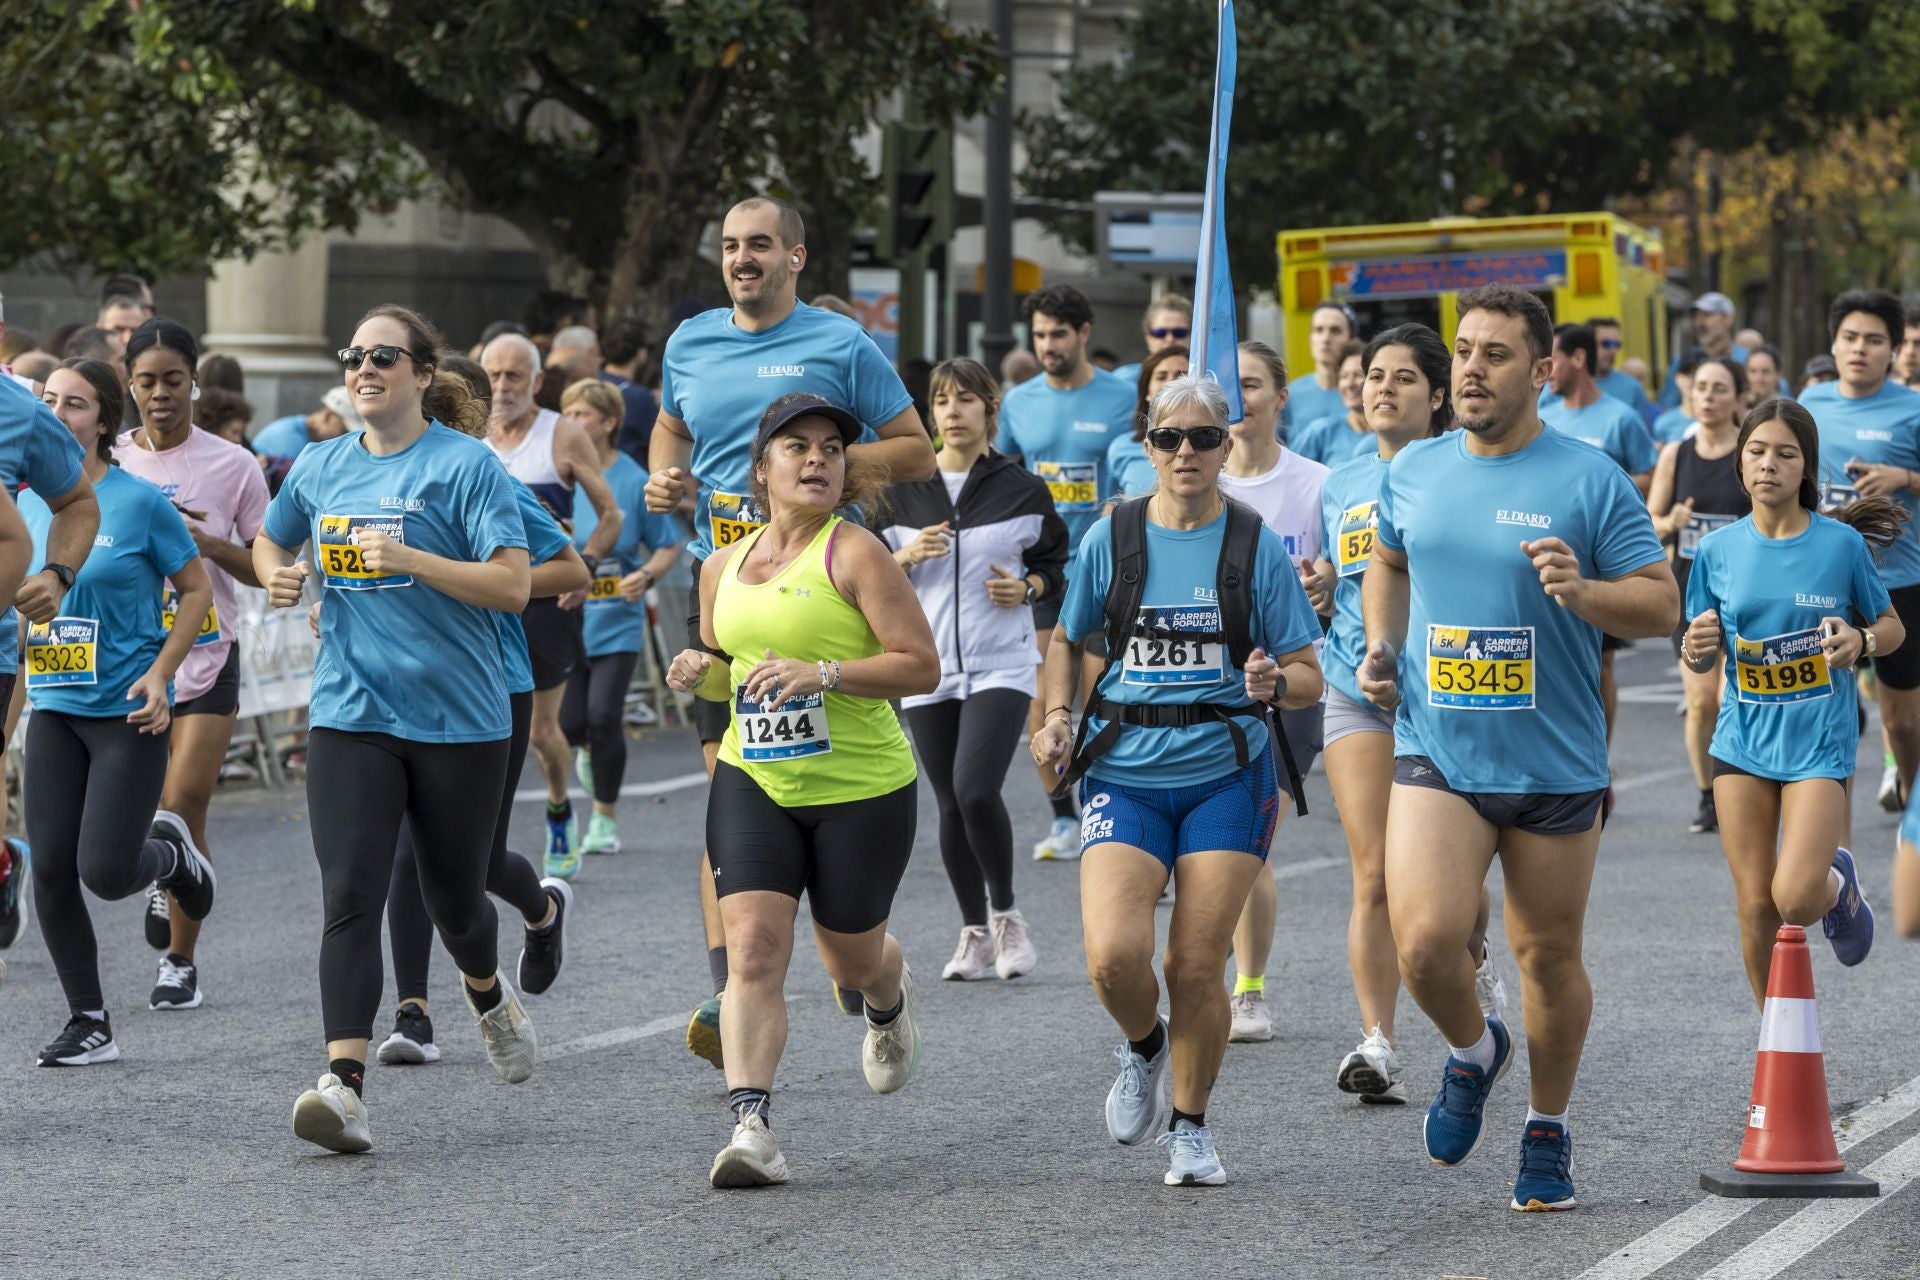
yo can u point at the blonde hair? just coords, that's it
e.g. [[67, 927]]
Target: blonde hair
[[600, 397]]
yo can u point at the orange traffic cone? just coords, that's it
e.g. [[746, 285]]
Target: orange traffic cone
[[1789, 1148]]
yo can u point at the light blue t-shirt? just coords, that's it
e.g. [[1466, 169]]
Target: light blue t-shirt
[[396, 656], [1784, 713], [1330, 441], [1063, 437], [109, 629], [1308, 402], [1671, 427], [612, 625], [1625, 388], [36, 450], [282, 438], [1129, 474], [718, 379], [1128, 373], [1349, 504], [1883, 429], [1182, 569], [545, 540], [1499, 685], [1608, 426]]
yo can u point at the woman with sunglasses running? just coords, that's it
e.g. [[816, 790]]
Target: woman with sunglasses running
[[100, 677], [1179, 782], [220, 490], [416, 534]]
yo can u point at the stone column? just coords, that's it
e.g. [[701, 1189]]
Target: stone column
[[270, 315]]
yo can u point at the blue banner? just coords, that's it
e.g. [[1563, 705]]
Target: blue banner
[[1216, 330]]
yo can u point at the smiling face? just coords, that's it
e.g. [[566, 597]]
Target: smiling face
[[1188, 472], [757, 265], [386, 396], [1399, 404], [77, 405], [1772, 465], [162, 384], [805, 465], [1496, 381]]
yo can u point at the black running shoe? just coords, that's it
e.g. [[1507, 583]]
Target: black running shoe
[[159, 919], [412, 1040], [192, 880], [177, 986], [1707, 818], [545, 950], [15, 898], [82, 1043]]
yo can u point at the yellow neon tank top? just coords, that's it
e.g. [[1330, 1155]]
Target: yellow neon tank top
[[826, 749]]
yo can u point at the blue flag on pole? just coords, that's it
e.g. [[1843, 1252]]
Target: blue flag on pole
[[1216, 330]]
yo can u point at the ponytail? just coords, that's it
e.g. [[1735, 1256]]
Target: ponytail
[[449, 399], [1878, 520]]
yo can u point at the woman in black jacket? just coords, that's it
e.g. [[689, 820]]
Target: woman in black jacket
[[981, 543]]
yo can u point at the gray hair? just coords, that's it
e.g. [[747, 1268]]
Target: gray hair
[[576, 336], [1184, 392]]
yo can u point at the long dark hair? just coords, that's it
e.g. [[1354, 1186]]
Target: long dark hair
[[1140, 392], [448, 399], [1878, 520], [111, 394], [1431, 354]]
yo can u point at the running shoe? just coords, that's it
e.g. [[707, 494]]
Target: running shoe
[[159, 920], [1889, 796], [641, 716], [891, 1052], [973, 958], [1252, 1024], [603, 834], [506, 1031], [850, 1003], [752, 1159], [191, 883], [1488, 989], [16, 899], [1849, 926], [1191, 1159], [333, 1116], [1062, 843], [583, 768], [176, 986], [1137, 1098], [1706, 818], [1452, 1126], [541, 957], [563, 850], [411, 1043], [703, 1032], [1545, 1184], [81, 1043], [1013, 954], [1373, 1072]]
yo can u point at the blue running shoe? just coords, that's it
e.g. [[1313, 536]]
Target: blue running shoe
[[1849, 926], [563, 851], [1545, 1184], [1137, 1099], [1191, 1159], [15, 898], [1452, 1126]]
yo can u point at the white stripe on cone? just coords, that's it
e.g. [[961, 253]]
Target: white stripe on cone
[[1789, 1026]]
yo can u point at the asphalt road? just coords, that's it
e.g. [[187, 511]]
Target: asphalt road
[[180, 1160]]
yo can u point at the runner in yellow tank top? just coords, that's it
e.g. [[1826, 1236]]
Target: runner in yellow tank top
[[813, 790]]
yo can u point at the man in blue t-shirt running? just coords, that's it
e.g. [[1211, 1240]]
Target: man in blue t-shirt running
[[1504, 551]]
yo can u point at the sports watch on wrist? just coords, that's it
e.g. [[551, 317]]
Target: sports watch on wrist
[[62, 572]]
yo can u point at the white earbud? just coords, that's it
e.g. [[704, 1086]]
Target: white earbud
[[196, 392], [795, 259]]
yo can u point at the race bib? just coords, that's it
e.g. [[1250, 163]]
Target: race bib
[[1152, 660], [1480, 668], [209, 625], [340, 562], [1836, 495], [1075, 486], [1354, 545], [62, 652], [605, 588], [732, 516], [1783, 668], [1697, 528], [796, 730]]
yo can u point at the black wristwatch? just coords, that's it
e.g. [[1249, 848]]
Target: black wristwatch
[[62, 572]]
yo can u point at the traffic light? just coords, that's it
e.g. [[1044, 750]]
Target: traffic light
[[917, 175]]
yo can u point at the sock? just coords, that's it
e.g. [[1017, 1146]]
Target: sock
[[1198, 1122], [998, 914], [1063, 807], [758, 1101], [1256, 984], [489, 1000], [1891, 763], [562, 810], [174, 957], [1706, 795], [1481, 1052], [352, 1074], [1150, 1047], [1836, 886], [98, 1015], [881, 1017], [717, 966], [1533, 1116]]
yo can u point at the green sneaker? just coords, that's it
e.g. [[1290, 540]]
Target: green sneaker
[[583, 768], [703, 1032], [603, 835], [563, 846]]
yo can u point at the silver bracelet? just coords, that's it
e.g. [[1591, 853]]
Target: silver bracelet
[[828, 682]]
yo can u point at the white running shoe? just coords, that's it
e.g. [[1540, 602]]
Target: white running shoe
[[508, 1035], [1191, 1159], [1373, 1071], [333, 1116], [1137, 1098], [973, 958], [1889, 796], [1488, 989], [1252, 1024], [752, 1159], [1013, 954], [891, 1052], [1062, 843]]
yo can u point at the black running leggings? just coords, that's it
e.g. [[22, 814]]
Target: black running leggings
[[509, 876], [966, 745], [92, 786], [592, 712], [361, 787]]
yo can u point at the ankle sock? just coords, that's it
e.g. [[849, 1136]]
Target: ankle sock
[[561, 810], [1836, 885], [756, 1101], [174, 957], [1256, 984], [882, 1017], [717, 967], [1480, 1053], [1063, 807], [1533, 1116], [1197, 1121], [1150, 1047], [489, 1000], [351, 1074], [98, 1015]]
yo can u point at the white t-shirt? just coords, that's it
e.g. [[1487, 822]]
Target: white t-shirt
[[955, 482], [1288, 500]]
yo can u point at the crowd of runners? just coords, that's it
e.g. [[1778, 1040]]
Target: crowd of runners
[[1413, 563]]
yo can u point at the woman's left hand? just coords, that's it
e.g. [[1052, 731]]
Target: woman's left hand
[[1841, 643], [152, 715], [774, 681], [1004, 590], [382, 555]]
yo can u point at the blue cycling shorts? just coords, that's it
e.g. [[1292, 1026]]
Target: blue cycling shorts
[[1236, 812]]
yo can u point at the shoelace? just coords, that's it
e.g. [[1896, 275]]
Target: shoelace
[[887, 1039], [1187, 1144], [1133, 1072], [173, 975], [156, 901], [1546, 1155], [1460, 1092]]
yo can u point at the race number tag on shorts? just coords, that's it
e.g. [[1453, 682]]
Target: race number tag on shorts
[[1784, 668], [340, 562], [1836, 495], [1354, 546], [209, 625], [606, 586], [62, 652], [1697, 528], [1075, 486], [732, 516], [1157, 661], [795, 730], [1480, 668]]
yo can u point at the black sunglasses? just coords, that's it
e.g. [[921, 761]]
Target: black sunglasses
[[1169, 333], [383, 357], [1203, 439]]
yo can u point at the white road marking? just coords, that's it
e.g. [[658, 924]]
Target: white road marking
[[1820, 1222], [1639, 780], [620, 1035], [678, 783], [1283, 870]]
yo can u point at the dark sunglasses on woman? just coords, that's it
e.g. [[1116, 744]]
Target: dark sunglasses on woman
[[383, 357], [1203, 439]]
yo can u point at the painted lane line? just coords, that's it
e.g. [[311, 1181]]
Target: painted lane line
[[680, 782], [621, 1035], [1818, 1223]]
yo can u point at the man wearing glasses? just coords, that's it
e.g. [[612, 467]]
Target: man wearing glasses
[[1611, 380], [1167, 323]]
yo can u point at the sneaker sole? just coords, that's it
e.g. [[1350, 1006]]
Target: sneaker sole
[[951, 974], [1541, 1206], [316, 1122], [1357, 1075], [109, 1052], [1009, 974], [703, 1041], [566, 913], [1237, 1036], [734, 1169], [398, 1051], [174, 1006], [1218, 1178], [1054, 855], [178, 831]]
